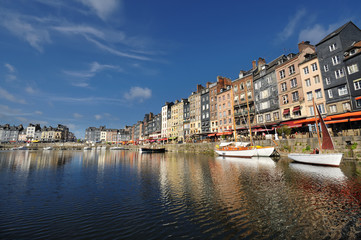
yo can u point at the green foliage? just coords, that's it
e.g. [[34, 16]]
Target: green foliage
[[354, 146], [307, 148], [287, 148], [284, 129]]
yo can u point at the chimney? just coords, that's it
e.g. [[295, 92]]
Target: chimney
[[199, 88], [241, 73], [254, 64], [303, 45], [261, 62]]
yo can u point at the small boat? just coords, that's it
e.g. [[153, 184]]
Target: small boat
[[20, 148], [235, 149], [87, 148], [117, 148], [325, 159], [152, 150], [47, 148]]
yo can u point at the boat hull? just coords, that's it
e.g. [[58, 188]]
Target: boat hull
[[264, 151], [333, 159], [237, 153], [152, 150]]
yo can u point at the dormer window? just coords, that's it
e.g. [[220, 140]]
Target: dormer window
[[352, 52], [333, 47]]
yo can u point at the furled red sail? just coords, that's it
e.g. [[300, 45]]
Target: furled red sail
[[326, 138]]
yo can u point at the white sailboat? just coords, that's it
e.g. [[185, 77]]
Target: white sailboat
[[326, 159]]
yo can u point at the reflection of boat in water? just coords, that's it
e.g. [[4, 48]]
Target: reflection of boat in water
[[318, 171], [47, 148], [152, 150], [87, 148], [250, 162]]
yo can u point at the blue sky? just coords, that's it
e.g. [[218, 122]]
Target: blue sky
[[89, 63]]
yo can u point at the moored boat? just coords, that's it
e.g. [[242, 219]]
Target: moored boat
[[235, 149], [316, 158], [152, 150], [47, 148]]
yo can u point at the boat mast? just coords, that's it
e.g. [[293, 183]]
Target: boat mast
[[234, 119], [249, 119], [318, 131]]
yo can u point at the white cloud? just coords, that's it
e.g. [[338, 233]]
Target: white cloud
[[103, 8], [10, 77], [98, 116], [39, 112], [81, 30], [30, 90], [316, 33], [10, 67], [22, 28], [291, 26], [138, 94], [10, 97], [77, 115]]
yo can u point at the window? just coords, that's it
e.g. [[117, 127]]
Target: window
[[335, 60], [333, 47], [293, 83], [291, 69], [358, 103], [260, 118], [330, 94], [228, 96], [309, 96], [321, 108], [264, 94], [269, 80], [342, 90], [305, 70], [248, 84], [235, 88], [242, 96], [357, 85], [325, 67], [316, 79], [282, 74], [311, 111], [265, 105], [328, 81], [333, 108], [268, 117], [308, 82], [346, 106], [249, 95], [285, 99], [283, 87], [339, 73], [314, 67], [295, 96], [257, 85], [229, 113], [241, 86], [276, 116], [352, 69], [318, 93]]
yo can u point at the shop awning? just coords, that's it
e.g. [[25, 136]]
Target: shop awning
[[296, 109], [224, 133], [211, 134], [311, 120], [355, 119], [292, 124], [358, 98], [286, 111], [337, 121]]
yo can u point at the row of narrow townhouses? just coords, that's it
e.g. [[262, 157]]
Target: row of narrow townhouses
[[269, 95]]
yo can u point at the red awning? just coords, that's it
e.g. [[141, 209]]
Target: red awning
[[358, 98], [355, 119], [211, 134], [286, 111], [345, 115], [337, 121], [296, 109], [224, 133]]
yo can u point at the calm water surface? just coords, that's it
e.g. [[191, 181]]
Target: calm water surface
[[127, 195]]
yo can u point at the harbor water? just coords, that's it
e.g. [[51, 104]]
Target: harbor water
[[129, 195]]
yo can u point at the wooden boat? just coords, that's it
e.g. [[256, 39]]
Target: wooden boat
[[325, 159], [235, 149], [264, 151], [152, 150]]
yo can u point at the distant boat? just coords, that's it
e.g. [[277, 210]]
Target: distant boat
[[20, 148], [47, 148], [87, 148], [152, 150], [117, 148], [326, 159]]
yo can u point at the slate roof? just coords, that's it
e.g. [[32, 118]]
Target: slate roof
[[336, 32]]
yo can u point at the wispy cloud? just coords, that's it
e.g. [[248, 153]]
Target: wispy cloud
[[98, 117], [77, 115], [10, 67], [30, 90], [10, 97], [138, 94], [26, 28], [103, 9], [292, 25], [315, 33], [87, 100]]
